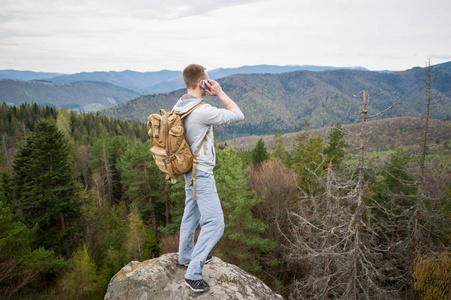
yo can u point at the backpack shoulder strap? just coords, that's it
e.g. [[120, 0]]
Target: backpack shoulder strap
[[193, 171], [190, 111]]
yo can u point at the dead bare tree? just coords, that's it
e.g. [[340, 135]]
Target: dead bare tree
[[423, 217], [336, 237], [431, 76]]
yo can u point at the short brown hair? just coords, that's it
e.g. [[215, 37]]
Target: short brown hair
[[192, 74]]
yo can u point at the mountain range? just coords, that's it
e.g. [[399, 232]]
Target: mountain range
[[153, 82], [286, 101]]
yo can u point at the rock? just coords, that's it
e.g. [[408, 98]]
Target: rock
[[162, 278]]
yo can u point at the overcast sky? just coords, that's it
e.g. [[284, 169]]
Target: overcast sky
[[70, 36]]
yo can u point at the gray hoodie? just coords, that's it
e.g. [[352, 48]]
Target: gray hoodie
[[197, 124]]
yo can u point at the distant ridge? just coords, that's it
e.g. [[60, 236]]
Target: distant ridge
[[26, 75], [272, 69], [157, 82]]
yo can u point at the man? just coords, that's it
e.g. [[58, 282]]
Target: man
[[206, 209]]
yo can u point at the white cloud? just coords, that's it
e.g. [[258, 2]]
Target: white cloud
[[73, 36]]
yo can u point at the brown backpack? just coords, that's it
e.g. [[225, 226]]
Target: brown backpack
[[170, 149]]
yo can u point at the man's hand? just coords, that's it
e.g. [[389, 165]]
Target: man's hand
[[216, 90]]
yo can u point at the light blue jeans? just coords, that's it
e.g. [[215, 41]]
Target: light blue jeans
[[206, 211]]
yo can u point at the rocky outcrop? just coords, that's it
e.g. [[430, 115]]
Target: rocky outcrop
[[162, 278]]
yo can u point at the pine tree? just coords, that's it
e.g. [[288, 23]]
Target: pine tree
[[6, 189], [242, 242], [280, 151], [392, 203], [136, 235], [63, 122], [143, 179], [105, 153], [80, 282], [47, 194], [308, 161], [335, 149], [20, 266], [396, 177], [176, 207], [114, 234], [259, 154]]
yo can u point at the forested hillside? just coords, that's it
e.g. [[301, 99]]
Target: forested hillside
[[273, 102], [80, 197], [81, 96]]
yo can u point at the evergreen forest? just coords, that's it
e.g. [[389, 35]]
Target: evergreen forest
[[80, 197]]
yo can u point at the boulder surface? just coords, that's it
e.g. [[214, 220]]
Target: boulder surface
[[163, 278]]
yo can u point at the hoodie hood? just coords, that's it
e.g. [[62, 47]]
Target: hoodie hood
[[185, 103]]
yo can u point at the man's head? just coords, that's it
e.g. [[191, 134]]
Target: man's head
[[193, 74]]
